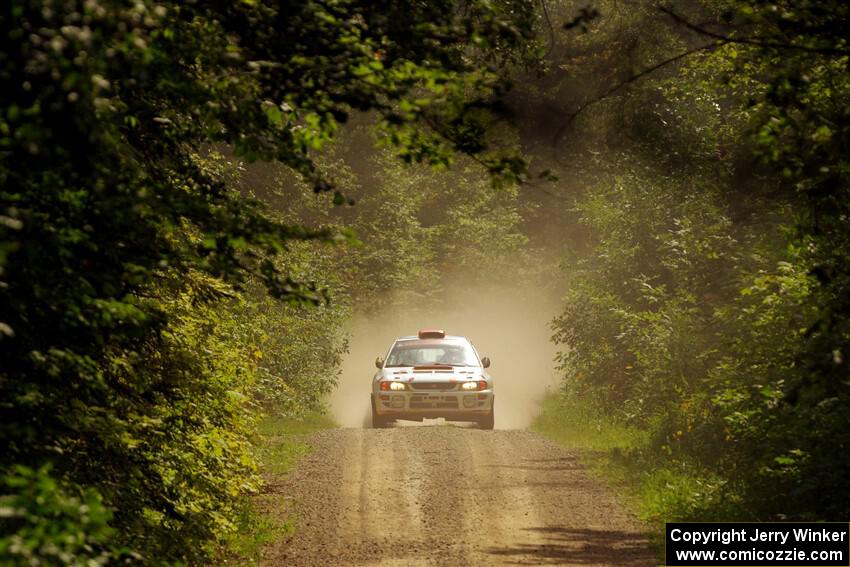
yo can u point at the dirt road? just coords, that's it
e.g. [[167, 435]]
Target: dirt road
[[443, 495]]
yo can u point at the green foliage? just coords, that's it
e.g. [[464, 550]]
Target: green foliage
[[660, 488], [266, 518], [310, 422], [638, 313], [704, 305], [258, 528], [297, 348], [583, 425], [135, 331], [52, 523], [424, 232], [282, 440], [419, 231]]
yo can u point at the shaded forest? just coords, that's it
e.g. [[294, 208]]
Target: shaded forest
[[196, 199]]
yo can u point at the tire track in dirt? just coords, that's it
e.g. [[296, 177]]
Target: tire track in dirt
[[445, 496]]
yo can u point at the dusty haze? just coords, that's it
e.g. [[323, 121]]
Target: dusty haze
[[509, 326]]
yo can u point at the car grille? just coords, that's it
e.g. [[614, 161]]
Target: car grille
[[442, 386]]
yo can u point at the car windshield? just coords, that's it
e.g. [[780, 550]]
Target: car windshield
[[416, 353]]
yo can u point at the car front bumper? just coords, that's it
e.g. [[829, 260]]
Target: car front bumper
[[459, 406]]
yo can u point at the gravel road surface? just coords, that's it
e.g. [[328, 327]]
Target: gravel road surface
[[444, 495]]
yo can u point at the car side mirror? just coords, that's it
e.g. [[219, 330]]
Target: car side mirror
[[485, 362], [379, 362]]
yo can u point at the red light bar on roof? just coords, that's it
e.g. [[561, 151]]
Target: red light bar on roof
[[432, 334]]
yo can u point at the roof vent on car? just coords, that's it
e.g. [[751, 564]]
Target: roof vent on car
[[432, 334]]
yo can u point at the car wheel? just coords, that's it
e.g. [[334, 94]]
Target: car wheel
[[378, 421], [490, 421]]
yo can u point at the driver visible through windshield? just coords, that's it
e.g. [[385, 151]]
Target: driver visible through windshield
[[419, 353]]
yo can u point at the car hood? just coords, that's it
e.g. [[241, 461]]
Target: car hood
[[432, 373]]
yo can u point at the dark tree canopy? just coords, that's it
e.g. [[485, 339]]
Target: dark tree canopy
[[110, 207]]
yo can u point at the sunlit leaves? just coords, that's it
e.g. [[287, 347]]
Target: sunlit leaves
[[726, 311], [123, 233]]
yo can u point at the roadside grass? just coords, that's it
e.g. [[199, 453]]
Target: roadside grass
[[658, 488], [579, 425], [265, 517], [271, 426]]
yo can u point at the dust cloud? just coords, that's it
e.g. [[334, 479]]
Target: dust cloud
[[509, 326]]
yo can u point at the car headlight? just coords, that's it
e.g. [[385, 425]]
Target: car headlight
[[395, 386], [474, 385]]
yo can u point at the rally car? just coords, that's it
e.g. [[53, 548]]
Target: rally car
[[432, 375]]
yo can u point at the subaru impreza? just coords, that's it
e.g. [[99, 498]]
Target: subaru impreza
[[432, 375]]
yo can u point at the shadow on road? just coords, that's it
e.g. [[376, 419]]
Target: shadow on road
[[569, 546]]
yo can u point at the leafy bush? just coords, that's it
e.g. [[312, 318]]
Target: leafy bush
[[50, 522], [705, 307], [129, 359]]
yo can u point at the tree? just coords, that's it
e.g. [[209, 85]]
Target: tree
[[712, 309], [117, 227]]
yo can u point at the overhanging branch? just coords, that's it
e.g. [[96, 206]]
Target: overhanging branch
[[637, 76], [755, 41]]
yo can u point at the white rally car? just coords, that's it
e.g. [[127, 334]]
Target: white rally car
[[432, 375]]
